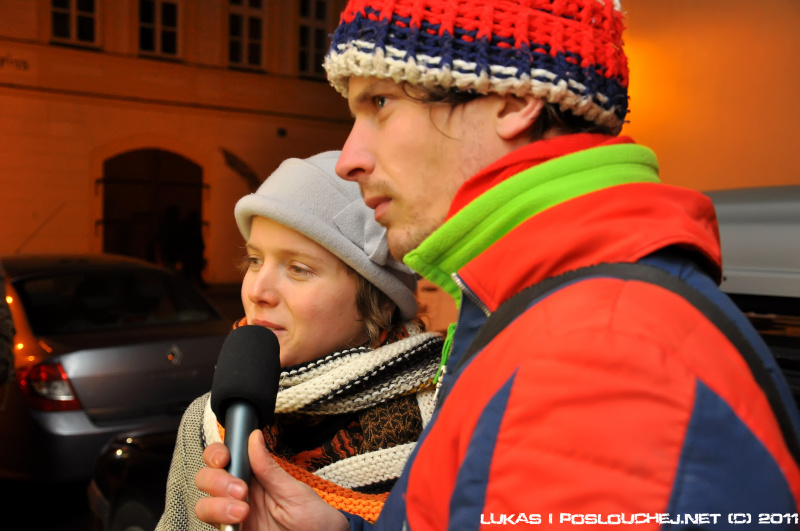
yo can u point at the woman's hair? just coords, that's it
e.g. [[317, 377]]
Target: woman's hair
[[551, 116], [376, 309]]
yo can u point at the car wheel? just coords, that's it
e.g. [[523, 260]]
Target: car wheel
[[133, 515]]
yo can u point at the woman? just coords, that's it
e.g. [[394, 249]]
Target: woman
[[357, 365]]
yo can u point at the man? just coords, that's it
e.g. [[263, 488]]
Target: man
[[485, 139]]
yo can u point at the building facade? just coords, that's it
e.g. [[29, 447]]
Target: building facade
[[128, 124]]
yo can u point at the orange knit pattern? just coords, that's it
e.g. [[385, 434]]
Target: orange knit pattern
[[367, 506]]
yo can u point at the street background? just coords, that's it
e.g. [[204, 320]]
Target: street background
[[65, 507]]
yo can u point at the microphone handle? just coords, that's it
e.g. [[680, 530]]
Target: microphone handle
[[240, 421]]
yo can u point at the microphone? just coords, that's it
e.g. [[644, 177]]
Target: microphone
[[244, 390]]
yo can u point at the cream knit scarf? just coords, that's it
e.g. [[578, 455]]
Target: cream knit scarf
[[352, 380]]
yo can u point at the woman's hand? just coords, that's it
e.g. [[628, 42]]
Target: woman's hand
[[277, 500]]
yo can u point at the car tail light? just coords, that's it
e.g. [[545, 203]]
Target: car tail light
[[46, 388]]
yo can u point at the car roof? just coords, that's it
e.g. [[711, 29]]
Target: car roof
[[34, 264], [764, 203], [760, 238]]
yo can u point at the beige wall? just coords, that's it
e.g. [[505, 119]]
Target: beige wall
[[714, 89], [64, 111]]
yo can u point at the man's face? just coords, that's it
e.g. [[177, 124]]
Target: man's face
[[410, 158]]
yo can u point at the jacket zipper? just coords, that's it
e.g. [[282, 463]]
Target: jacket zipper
[[466, 291], [439, 379]]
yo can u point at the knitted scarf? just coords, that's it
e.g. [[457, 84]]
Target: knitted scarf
[[346, 423]]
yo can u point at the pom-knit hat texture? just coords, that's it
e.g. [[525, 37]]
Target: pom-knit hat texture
[[307, 196], [566, 52]]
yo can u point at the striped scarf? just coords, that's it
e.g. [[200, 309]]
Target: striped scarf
[[346, 423]]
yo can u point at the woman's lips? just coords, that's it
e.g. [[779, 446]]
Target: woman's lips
[[272, 326]]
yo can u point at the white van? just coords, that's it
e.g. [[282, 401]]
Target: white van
[[760, 234]]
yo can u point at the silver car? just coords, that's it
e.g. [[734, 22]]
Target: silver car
[[104, 344]]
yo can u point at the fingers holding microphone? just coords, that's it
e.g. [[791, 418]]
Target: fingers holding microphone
[[275, 500], [243, 396], [228, 494]]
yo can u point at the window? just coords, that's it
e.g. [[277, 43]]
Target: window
[[246, 33], [313, 38], [74, 22], [108, 299], [158, 27]]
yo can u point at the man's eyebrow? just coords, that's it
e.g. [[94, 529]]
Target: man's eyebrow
[[369, 91]]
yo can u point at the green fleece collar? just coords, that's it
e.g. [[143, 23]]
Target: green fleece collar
[[493, 214]]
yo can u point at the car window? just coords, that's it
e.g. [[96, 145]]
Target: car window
[[777, 320], [93, 300], [773, 317]]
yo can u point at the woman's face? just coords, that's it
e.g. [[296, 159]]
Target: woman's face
[[301, 291]]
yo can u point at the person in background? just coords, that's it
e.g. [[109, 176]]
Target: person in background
[[7, 332], [486, 138], [357, 364], [193, 260], [168, 245]]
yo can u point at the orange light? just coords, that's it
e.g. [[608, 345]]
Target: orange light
[[45, 346], [20, 346], [9, 299], [31, 358]]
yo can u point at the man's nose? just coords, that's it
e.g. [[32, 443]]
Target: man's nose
[[356, 160]]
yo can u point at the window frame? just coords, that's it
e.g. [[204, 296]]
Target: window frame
[[74, 15], [246, 12], [158, 28], [314, 69]]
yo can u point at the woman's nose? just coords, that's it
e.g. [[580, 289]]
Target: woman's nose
[[264, 288]]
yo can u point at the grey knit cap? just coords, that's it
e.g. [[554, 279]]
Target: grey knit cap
[[306, 195]]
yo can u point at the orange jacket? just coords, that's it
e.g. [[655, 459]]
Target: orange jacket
[[608, 401]]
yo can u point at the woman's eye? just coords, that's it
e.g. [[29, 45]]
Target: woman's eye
[[297, 270], [380, 101], [254, 262]]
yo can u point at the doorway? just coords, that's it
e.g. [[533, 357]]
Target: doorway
[[152, 202]]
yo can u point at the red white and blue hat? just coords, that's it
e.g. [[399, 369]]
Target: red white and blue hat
[[566, 52]]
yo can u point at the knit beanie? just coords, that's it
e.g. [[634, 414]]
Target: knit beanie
[[566, 52], [306, 195]]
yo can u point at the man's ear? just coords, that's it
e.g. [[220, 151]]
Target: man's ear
[[517, 115]]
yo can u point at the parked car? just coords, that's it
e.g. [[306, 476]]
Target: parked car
[[760, 235], [130, 483], [104, 344]]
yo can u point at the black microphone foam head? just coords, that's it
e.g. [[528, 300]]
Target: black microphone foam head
[[248, 368]]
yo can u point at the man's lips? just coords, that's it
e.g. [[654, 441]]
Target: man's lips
[[379, 204]]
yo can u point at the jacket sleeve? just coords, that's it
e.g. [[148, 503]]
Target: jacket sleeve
[[187, 460], [357, 523]]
